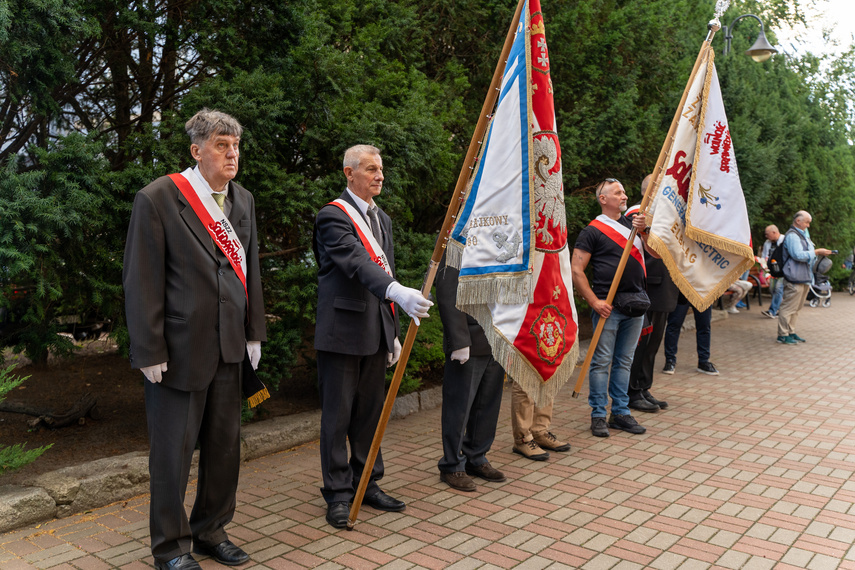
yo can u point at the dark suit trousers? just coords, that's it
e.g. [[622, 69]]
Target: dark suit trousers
[[471, 398], [352, 394], [702, 332], [643, 363], [176, 421]]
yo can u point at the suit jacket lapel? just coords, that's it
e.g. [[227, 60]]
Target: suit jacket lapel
[[239, 203], [349, 199], [195, 224]]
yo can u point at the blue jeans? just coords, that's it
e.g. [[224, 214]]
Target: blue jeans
[[611, 363], [702, 332], [777, 296]]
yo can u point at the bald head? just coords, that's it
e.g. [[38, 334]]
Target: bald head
[[645, 183], [772, 233]]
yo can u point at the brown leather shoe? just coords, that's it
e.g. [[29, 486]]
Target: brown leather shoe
[[547, 440], [530, 450], [458, 480], [486, 471]]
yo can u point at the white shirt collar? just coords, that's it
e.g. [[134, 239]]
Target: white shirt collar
[[205, 182], [360, 203]]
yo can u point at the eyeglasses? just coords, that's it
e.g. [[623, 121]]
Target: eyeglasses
[[602, 185]]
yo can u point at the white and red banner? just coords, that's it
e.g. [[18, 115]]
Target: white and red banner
[[510, 240], [699, 219]]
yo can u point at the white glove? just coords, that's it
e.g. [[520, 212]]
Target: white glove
[[154, 374], [392, 357], [411, 300], [253, 347], [461, 355]]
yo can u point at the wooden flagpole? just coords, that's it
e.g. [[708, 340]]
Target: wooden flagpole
[[442, 239], [657, 174]]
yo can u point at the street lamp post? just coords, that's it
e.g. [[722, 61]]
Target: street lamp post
[[760, 51]]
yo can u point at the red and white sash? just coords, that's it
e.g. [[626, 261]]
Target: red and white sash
[[214, 220], [619, 233], [365, 234]]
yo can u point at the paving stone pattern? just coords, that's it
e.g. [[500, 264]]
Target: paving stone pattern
[[748, 470]]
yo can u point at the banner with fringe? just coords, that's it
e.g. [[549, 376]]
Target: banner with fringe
[[510, 240], [699, 219]]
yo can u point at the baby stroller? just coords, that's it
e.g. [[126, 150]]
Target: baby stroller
[[819, 292]]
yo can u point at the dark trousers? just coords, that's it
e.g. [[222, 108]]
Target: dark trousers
[[643, 363], [177, 420], [352, 394], [702, 332], [471, 398]]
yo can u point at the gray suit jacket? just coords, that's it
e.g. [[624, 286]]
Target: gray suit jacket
[[184, 303], [353, 316]]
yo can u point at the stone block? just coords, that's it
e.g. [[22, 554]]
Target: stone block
[[430, 398], [22, 506], [279, 434], [405, 405], [96, 483]]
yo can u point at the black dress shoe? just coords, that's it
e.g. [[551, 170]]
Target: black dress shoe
[[337, 514], [643, 405], [383, 502], [183, 562], [225, 553], [649, 397]]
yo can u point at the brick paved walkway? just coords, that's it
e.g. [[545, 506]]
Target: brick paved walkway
[[751, 469]]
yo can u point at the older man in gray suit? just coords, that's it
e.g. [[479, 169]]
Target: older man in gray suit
[[356, 332], [195, 315]]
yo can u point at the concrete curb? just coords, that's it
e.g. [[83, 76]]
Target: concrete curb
[[94, 484]]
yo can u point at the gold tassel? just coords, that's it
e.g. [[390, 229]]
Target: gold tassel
[[258, 397]]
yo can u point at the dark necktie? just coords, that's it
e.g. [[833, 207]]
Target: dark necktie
[[375, 223]]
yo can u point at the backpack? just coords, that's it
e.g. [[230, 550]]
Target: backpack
[[776, 260]]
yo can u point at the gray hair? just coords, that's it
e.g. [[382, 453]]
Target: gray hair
[[354, 153], [800, 214], [207, 123]]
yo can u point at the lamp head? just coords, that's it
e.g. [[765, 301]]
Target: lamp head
[[762, 49]]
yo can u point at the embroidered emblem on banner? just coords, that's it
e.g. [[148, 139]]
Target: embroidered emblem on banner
[[548, 328], [511, 246]]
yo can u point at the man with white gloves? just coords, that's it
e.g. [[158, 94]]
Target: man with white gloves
[[471, 392], [196, 321], [356, 330]]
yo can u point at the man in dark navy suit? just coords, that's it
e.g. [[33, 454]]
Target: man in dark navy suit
[[356, 332]]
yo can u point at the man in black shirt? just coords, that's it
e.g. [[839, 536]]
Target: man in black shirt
[[602, 244]]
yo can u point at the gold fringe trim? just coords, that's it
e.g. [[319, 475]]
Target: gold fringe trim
[[518, 368], [700, 303], [453, 253], [718, 242], [511, 289], [258, 397]]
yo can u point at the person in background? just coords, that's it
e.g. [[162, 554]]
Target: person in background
[[799, 257], [663, 295], [471, 392], [773, 237]]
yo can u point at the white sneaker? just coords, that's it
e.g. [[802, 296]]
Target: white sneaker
[[733, 309]]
